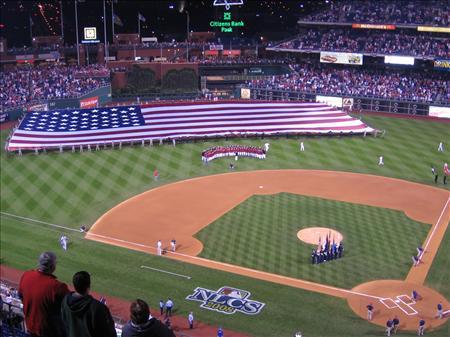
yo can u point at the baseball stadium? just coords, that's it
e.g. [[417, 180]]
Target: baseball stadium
[[230, 168]]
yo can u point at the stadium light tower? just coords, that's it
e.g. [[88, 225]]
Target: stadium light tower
[[181, 9], [187, 35], [76, 30]]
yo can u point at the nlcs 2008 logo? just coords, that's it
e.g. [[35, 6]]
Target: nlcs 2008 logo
[[226, 300]]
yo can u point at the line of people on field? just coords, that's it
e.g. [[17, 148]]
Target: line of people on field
[[328, 252], [233, 151]]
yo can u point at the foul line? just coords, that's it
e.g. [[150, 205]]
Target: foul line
[[41, 222], [437, 225], [237, 268], [166, 272]]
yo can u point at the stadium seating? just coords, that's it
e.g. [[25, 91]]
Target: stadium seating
[[30, 84], [369, 42], [414, 85], [434, 13]]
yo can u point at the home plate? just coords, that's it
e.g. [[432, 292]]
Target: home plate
[[397, 301], [260, 186]]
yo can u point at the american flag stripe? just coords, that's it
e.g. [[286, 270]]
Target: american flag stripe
[[98, 126], [92, 141]]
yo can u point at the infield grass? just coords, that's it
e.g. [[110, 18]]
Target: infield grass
[[73, 189], [261, 233]]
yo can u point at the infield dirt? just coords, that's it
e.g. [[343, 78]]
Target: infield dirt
[[181, 209]]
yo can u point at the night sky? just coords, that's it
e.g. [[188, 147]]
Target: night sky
[[164, 19]]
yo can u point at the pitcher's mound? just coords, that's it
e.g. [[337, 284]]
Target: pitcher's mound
[[312, 235]]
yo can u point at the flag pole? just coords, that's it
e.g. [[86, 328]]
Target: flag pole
[[104, 29], [139, 26], [76, 28], [62, 21], [31, 31], [112, 19]]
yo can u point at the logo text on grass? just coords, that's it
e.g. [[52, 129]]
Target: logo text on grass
[[226, 300]]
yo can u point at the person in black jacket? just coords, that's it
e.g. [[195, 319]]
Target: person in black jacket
[[84, 316], [141, 326]]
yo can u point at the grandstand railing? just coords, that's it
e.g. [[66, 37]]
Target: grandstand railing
[[56, 99], [318, 51], [359, 102]]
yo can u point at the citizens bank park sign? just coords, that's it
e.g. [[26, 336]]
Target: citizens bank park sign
[[226, 300], [227, 24]]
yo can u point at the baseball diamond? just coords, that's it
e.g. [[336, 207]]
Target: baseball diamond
[[224, 168], [143, 211], [195, 203]]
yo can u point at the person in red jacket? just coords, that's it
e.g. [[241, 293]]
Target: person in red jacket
[[42, 294]]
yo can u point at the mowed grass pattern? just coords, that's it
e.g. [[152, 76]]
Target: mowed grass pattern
[[261, 233], [71, 189]]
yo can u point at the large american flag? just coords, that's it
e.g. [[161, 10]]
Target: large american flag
[[62, 128]]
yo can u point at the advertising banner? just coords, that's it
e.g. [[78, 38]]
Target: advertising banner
[[91, 102], [231, 52], [439, 111], [216, 47], [245, 93], [333, 101], [211, 52], [406, 60], [433, 29], [3, 116], [372, 26], [342, 58], [347, 102], [442, 64], [38, 107]]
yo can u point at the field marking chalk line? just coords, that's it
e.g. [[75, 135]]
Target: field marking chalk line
[[39, 221], [435, 227], [193, 258], [166, 272]]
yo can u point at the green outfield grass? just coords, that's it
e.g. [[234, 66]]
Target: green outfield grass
[[73, 189], [261, 233]]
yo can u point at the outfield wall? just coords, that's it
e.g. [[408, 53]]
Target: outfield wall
[[357, 103], [103, 94]]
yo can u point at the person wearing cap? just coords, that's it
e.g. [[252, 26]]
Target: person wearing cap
[[439, 310], [82, 314], [41, 295], [169, 307], [389, 326], [369, 311], [191, 320], [161, 307], [396, 323], [141, 326], [421, 329]]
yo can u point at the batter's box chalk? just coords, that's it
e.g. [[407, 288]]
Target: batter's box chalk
[[389, 303], [406, 299]]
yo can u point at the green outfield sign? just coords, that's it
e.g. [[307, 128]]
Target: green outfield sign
[[227, 25]]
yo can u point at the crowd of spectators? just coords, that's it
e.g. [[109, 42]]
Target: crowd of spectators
[[49, 309], [213, 60], [370, 42], [380, 83], [419, 12], [35, 83]]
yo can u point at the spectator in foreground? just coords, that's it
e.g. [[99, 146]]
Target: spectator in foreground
[[141, 326], [42, 294], [82, 314]]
